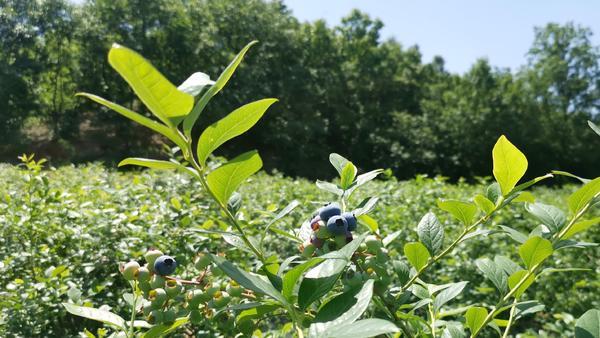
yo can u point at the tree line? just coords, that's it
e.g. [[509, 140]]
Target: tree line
[[341, 89]]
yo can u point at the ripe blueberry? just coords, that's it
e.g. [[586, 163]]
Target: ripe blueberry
[[337, 225], [330, 210], [165, 265], [351, 219]]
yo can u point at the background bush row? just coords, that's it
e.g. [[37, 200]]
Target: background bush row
[[341, 88], [65, 230]]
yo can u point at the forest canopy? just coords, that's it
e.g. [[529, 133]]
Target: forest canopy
[[340, 88]]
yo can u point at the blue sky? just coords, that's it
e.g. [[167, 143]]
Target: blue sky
[[460, 30]]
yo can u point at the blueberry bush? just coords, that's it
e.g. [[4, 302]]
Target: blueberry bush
[[204, 255]]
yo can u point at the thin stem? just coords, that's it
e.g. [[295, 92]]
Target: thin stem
[[432, 316], [133, 307], [511, 318]]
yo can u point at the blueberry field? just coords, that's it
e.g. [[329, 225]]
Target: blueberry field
[[163, 173], [65, 231]]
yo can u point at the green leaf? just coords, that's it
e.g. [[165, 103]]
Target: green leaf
[[453, 330], [493, 272], [535, 250], [320, 279], [232, 125], [249, 281], [581, 226], [580, 198], [462, 211], [549, 215], [164, 329], [564, 173], [484, 204], [525, 197], [194, 84], [149, 163], [348, 175], [588, 325], [370, 222], [224, 180], [493, 193], [190, 120], [338, 162], [431, 232], [256, 312], [594, 127], [343, 309], [103, 316], [366, 206], [417, 254], [290, 279], [160, 96], [136, 117], [475, 317], [361, 329], [515, 278], [329, 187], [514, 234], [506, 264], [448, 294], [509, 164]]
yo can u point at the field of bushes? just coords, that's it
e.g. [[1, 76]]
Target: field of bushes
[[65, 230]]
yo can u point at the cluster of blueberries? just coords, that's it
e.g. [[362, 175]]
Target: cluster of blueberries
[[330, 223], [166, 298]]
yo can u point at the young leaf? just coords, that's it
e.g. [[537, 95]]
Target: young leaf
[[462, 211], [594, 127], [249, 281], [320, 279], [194, 84], [162, 330], [224, 180], [150, 163], [448, 294], [348, 175], [366, 206], [494, 273], [431, 233], [343, 309], [361, 329], [190, 120], [417, 254], [338, 162], [329, 187], [256, 312], [493, 192], [535, 250], [509, 164], [588, 325], [515, 278], [484, 204], [514, 234], [370, 222], [549, 215], [136, 117], [103, 316], [160, 96], [581, 226], [580, 198], [232, 125], [290, 279], [506, 264], [475, 317]]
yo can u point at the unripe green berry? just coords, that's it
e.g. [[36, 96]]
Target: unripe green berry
[[130, 269], [235, 291], [155, 317], [340, 241], [202, 261], [196, 297], [158, 297], [151, 256], [157, 282], [323, 233], [196, 317], [222, 300], [169, 316], [211, 291], [308, 250], [173, 288], [373, 244], [143, 274]]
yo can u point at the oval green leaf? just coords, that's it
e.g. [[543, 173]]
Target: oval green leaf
[[535, 250], [509, 164], [417, 254], [224, 180]]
